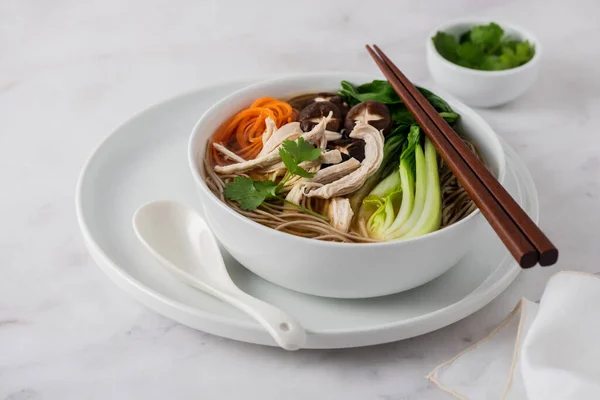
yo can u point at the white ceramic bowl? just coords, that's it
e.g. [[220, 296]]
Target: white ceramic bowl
[[321, 268], [482, 88]]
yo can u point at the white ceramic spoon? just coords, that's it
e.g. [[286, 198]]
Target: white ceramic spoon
[[182, 241]]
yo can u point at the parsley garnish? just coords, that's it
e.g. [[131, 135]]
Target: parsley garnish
[[484, 47], [293, 153], [250, 194]]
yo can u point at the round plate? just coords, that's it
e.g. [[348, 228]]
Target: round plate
[[145, 160]]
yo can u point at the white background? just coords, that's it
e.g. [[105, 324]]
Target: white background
[[71, 71]]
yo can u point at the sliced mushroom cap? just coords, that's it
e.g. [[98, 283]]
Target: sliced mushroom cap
[[350, 148], [312, 114], [370, 112], [335, 99], [351, 182], [303, 100]]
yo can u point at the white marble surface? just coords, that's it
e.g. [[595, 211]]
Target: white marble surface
[[70, 71]]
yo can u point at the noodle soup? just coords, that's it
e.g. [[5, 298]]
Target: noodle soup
[[350, 165], [332, 239]]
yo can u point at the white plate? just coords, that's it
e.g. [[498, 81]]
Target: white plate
[[145, 159]]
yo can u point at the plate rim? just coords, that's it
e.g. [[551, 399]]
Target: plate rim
[[460, 309]]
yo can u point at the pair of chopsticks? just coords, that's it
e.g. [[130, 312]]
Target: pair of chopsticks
[[523, 238]]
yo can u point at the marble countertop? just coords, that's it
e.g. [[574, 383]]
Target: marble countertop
[[72, 71]]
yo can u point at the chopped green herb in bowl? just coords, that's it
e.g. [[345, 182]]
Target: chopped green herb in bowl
[[482, 63], [484, 47]]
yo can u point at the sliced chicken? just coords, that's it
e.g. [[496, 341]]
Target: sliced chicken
[[269, 131], [316, 137], [228, 153], [295, 195], [328, 157], [373, 139], [340, 214], [289, 131], [332, 136], [335, 172], [260, 162], [294, 181]]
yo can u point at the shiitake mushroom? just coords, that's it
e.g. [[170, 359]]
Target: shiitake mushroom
[[303, 100], [372, 112], [335, 99], [350, 148], [312, 114]]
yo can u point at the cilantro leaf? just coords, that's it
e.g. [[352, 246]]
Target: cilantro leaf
[[484, 47], [268, 188], [493, 63], [486, 36], [301, 150], [470, 54], [288, 160], [295, 152], [446, 45], [303, 173], [465, 37], [524, 51], [250, 194]]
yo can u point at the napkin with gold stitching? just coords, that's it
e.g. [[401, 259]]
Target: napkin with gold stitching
[[549, 351]]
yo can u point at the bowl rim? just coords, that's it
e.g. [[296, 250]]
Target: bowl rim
[[431, 49], [194, 165]]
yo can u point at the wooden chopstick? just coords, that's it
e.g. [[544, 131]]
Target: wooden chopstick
[[522, 237]]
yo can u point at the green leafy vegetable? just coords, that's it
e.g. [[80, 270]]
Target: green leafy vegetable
[[391, 155], [431, 214], [450, 117], [417, 181], [378, 90], [484, 47], [394, 170], [293, 153], [436, 101], [391, 151], [469, 54], [408, 152], [250, 194], [383, 92], [486, 36], [446, 45]]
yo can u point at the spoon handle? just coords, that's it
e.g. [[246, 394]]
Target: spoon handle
[[287, 332]]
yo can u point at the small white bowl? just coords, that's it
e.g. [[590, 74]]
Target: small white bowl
[[482, 88], [343, 270]]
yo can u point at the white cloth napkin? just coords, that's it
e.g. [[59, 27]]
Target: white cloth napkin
[[549, 351]]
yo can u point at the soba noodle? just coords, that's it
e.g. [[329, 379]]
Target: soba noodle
[[456, 205]]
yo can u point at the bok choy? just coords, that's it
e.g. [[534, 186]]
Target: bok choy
[[407, 203]]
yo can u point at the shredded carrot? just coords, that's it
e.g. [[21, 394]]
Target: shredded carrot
[[243, 133]]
